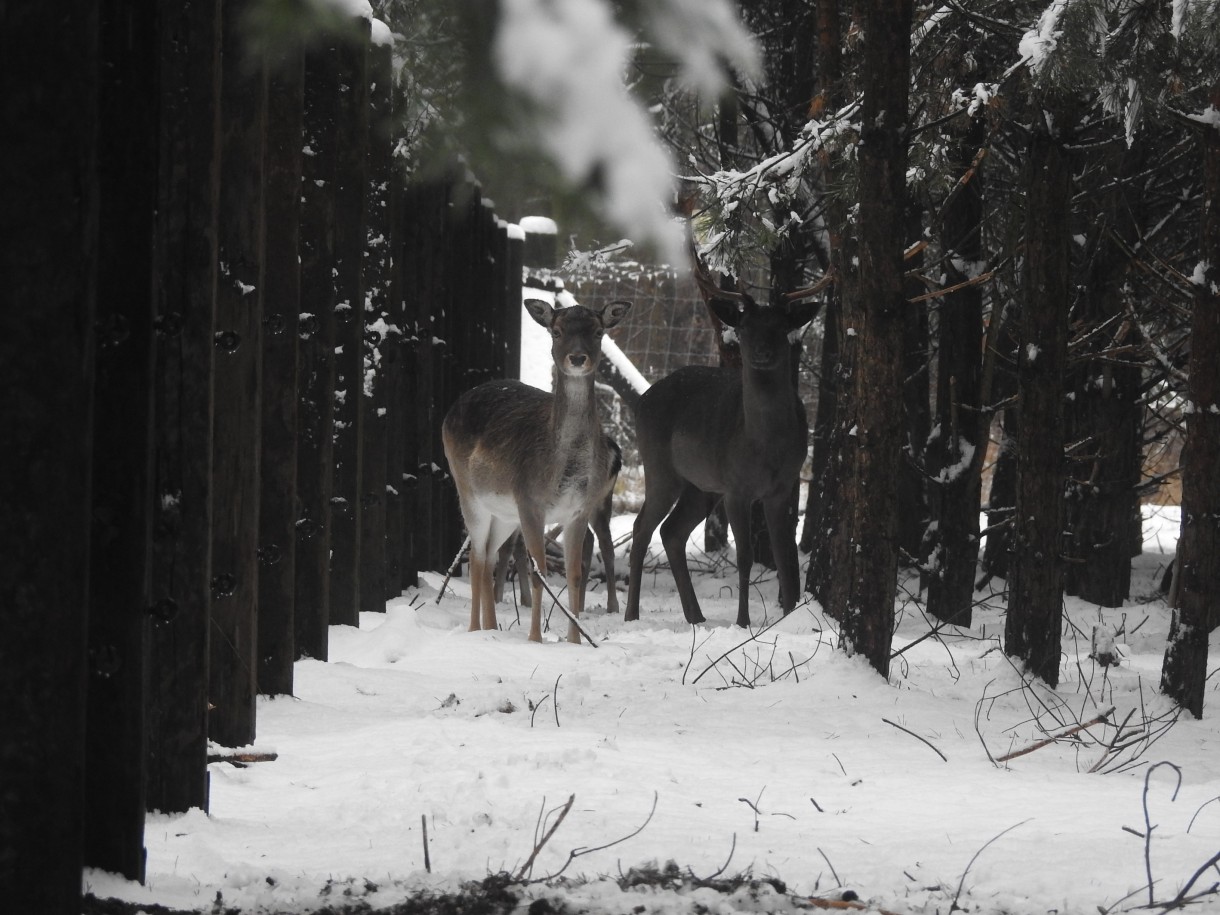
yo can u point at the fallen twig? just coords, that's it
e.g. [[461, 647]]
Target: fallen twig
[[917, 737], [453, 567], [529, 862], [423, 821], [558, 603], [1075, 729]]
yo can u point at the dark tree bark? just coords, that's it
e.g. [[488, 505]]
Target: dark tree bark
[[350, 176], [1184, 673], [866, 550], [916, 416], [821, 510], [186, 266], [316, 354], [237, 388], [47, 304], [1104, 413], [122, 442], [1035, 601], [955, 456], [282, 298]]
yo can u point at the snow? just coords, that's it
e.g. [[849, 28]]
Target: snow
[[774, 753], [538, 225]]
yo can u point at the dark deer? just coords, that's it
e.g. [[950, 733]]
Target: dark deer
[[740, 434], [523, 458]]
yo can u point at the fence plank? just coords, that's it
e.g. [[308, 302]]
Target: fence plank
[[186, 282], [237, 389], [316, 378], [350, 240], [374, 421], [282, 301], [122, 442], [46, 350]]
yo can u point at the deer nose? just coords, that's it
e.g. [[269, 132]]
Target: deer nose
[[576, 360]]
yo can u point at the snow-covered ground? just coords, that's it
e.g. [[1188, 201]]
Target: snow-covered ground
[[776, 754]]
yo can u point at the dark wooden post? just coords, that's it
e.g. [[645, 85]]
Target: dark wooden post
[[122, 441], [378, 342], [232, 678], [350, 171], [186, 287], [398, 403], [316, 368], [46, 368], [282, 308]]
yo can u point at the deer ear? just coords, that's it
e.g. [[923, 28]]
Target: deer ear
[[614, 312], [540, 311], [801, 313], [727, 310]]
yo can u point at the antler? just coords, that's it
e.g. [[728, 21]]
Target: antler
[[797, 294]]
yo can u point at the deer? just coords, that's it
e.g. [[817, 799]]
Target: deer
[[599, 524], [706, 433], [523, 458]]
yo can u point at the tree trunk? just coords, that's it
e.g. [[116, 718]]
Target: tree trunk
[[1104, 413], [866, 557], [47, 303], [1035, 601], [955, 455], [1184, 674]]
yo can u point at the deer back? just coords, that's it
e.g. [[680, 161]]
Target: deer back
[[733, 430]]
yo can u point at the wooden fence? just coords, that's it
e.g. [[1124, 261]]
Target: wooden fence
[[230, 332]]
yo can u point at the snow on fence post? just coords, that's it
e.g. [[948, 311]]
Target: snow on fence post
[[377, 342], [349, 327], [282, 308], [237, 387], [316, 367], [185, 268]]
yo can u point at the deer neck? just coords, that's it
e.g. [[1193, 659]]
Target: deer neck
[[768, 397], [574, 422]]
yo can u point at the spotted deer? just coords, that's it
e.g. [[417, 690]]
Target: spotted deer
[[523, 458]]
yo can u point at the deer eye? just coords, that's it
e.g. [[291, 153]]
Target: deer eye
[[555, 333]]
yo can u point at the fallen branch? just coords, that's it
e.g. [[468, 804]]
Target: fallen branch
[[242, 757], [1075, 729]]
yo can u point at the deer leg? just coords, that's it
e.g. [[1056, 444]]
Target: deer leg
[[535, 544], [783, 544], [657, 502], [498, 533], [693, 506], [738, 511], [503, 555], [576, 562], [605, 542], [522, 559]]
